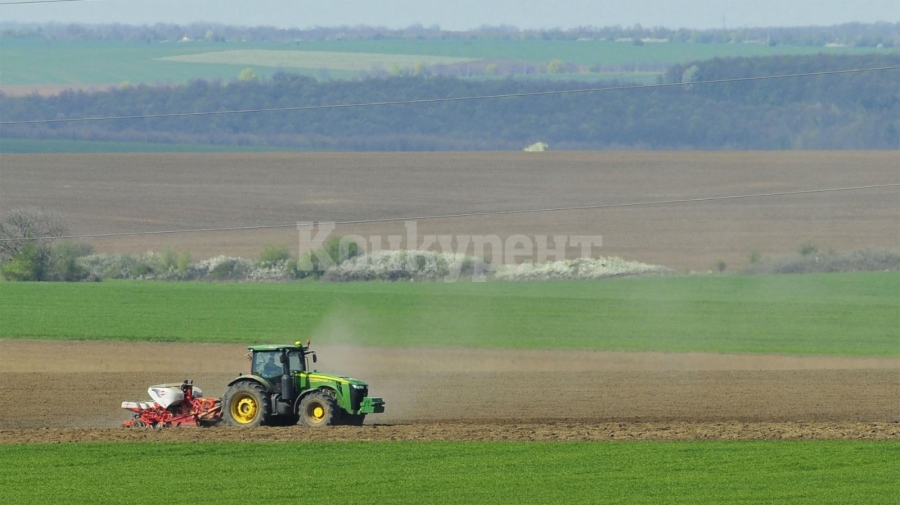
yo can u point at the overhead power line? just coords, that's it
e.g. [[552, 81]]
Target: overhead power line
[[42, 2], [445, 100], [474, 214]]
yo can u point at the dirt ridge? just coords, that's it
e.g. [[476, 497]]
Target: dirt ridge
[[473, 432]]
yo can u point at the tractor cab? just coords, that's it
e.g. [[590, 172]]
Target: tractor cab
[[271, 361]]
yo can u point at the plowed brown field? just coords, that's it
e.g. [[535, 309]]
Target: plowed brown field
[[109, 193], [71, 391]]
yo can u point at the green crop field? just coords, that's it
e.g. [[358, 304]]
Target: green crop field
[[827, 314], [579, 52], [106, 62], [61, 62], [463, 472]]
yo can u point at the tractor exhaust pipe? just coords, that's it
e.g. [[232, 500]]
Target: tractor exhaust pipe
[[287, 388], [287, 382]]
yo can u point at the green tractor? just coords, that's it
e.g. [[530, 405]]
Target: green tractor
[[281, 390]]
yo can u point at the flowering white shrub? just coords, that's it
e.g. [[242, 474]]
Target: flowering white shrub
[[402, 265], [581, 268], [125, 266], [224, 268], [152, 266], [278, 271]]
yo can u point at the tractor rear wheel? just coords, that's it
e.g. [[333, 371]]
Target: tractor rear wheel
[[246, 404], [318, 409]]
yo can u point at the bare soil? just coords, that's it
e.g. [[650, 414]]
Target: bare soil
[[72, 391], [110, 193]]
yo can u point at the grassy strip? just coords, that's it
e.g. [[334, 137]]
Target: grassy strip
[[838, 314], [442, 472], [313, 59]]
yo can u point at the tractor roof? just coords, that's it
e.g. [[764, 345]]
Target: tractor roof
[[277, 347]]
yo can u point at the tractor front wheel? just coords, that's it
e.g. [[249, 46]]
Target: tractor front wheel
[[245, 404], [318, 409]]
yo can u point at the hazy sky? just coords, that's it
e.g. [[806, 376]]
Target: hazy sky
[[462, 14]]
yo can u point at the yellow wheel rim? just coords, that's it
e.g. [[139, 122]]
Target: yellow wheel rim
[[244, 408], [318, 412]]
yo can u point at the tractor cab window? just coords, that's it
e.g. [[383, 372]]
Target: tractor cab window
[[266, 363], [298, 364]]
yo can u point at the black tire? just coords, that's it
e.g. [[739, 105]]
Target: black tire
[[354, 419], [318, 409], [246, 405]]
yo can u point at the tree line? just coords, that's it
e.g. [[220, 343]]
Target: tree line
[[882, 34], [851, 111]]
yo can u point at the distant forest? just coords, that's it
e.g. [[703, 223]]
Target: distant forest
[[851, 111], [851, 34]]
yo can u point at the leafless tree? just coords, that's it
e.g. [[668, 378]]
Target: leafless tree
[[22, 225]]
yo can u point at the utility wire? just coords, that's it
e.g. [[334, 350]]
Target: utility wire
[[472, 214], [445, 100], [42, 2]]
